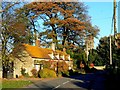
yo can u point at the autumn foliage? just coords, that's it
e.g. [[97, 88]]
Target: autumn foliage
[[66, 24]]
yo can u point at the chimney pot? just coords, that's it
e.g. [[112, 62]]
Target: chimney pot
[[53, 46]]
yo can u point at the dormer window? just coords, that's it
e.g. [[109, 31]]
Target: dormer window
[[57, 56], [51, 55], [69, 57], [63, 57]]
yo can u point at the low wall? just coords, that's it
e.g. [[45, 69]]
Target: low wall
[[99, 67], [0, 73]]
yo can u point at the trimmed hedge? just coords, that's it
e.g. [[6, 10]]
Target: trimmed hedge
[[47, 73]]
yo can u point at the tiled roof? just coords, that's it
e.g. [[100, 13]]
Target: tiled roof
[[42, 53], [60, 52], [37, 52]]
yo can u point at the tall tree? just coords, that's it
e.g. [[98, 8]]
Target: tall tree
[[64, 22], [67, 24], [103, 50], [13, 29]]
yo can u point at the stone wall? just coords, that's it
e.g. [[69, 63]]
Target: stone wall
[[0, 72], [99, 67], [28, 64]]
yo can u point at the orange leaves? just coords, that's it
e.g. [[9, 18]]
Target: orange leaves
[[50, 7], [62, 23], [17, 29], [66, 19], [44, 7], [72, 24], [78, 28], [68, 13], [71, 20], [54, 20], [64, 9]]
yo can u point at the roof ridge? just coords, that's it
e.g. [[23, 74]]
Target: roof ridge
[[40, 52]]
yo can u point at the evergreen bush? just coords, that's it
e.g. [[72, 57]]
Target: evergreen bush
[[47, 73], [23, 72]]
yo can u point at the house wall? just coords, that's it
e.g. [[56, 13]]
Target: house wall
[[28, 64], [37, 66], [0, 66], [0, 72]]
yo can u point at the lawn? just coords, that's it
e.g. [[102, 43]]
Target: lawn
[[15, 83]]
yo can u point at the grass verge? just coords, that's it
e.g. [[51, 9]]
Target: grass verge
[[15, 83]]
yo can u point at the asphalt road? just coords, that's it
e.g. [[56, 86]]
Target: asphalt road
[[80, 82]]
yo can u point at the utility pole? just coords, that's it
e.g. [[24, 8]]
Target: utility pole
[[115, 32], [110, 52], [87, 49], [114, 10], [87, 53]]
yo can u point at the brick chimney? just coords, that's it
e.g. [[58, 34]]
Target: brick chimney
[[53, 46], [64, 49], [37, 41]]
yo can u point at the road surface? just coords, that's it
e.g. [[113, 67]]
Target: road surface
[[92, 81]]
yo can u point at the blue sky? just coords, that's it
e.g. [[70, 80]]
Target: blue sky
[[101, 15]]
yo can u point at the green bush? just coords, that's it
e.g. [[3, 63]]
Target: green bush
[[65, 74], [62, 67], [47, 73], [23, 72], [26, 75], [46, 64]]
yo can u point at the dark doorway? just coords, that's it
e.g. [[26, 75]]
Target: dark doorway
[[8, 70]]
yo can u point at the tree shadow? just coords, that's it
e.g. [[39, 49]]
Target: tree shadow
[[94, 81]]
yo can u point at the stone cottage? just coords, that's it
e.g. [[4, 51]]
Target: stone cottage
[[31, 55]]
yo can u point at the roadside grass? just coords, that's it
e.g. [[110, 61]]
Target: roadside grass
[[15, 83]]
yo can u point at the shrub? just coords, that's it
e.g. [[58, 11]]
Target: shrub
[[65, 74], [71, 72], [93, 70], [62, 67], [59, 74], [46, 64], [47, 73], [21, 76], [34, 72], [23, 72], [26, 75]]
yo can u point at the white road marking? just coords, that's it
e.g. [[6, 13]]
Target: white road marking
[[60, 85], [66, 82], [56, 87], [81, 81], [78, 80]]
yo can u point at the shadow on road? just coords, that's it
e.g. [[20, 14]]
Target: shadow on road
[[90, 81]]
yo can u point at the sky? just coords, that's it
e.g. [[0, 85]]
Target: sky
[[101, 15]]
